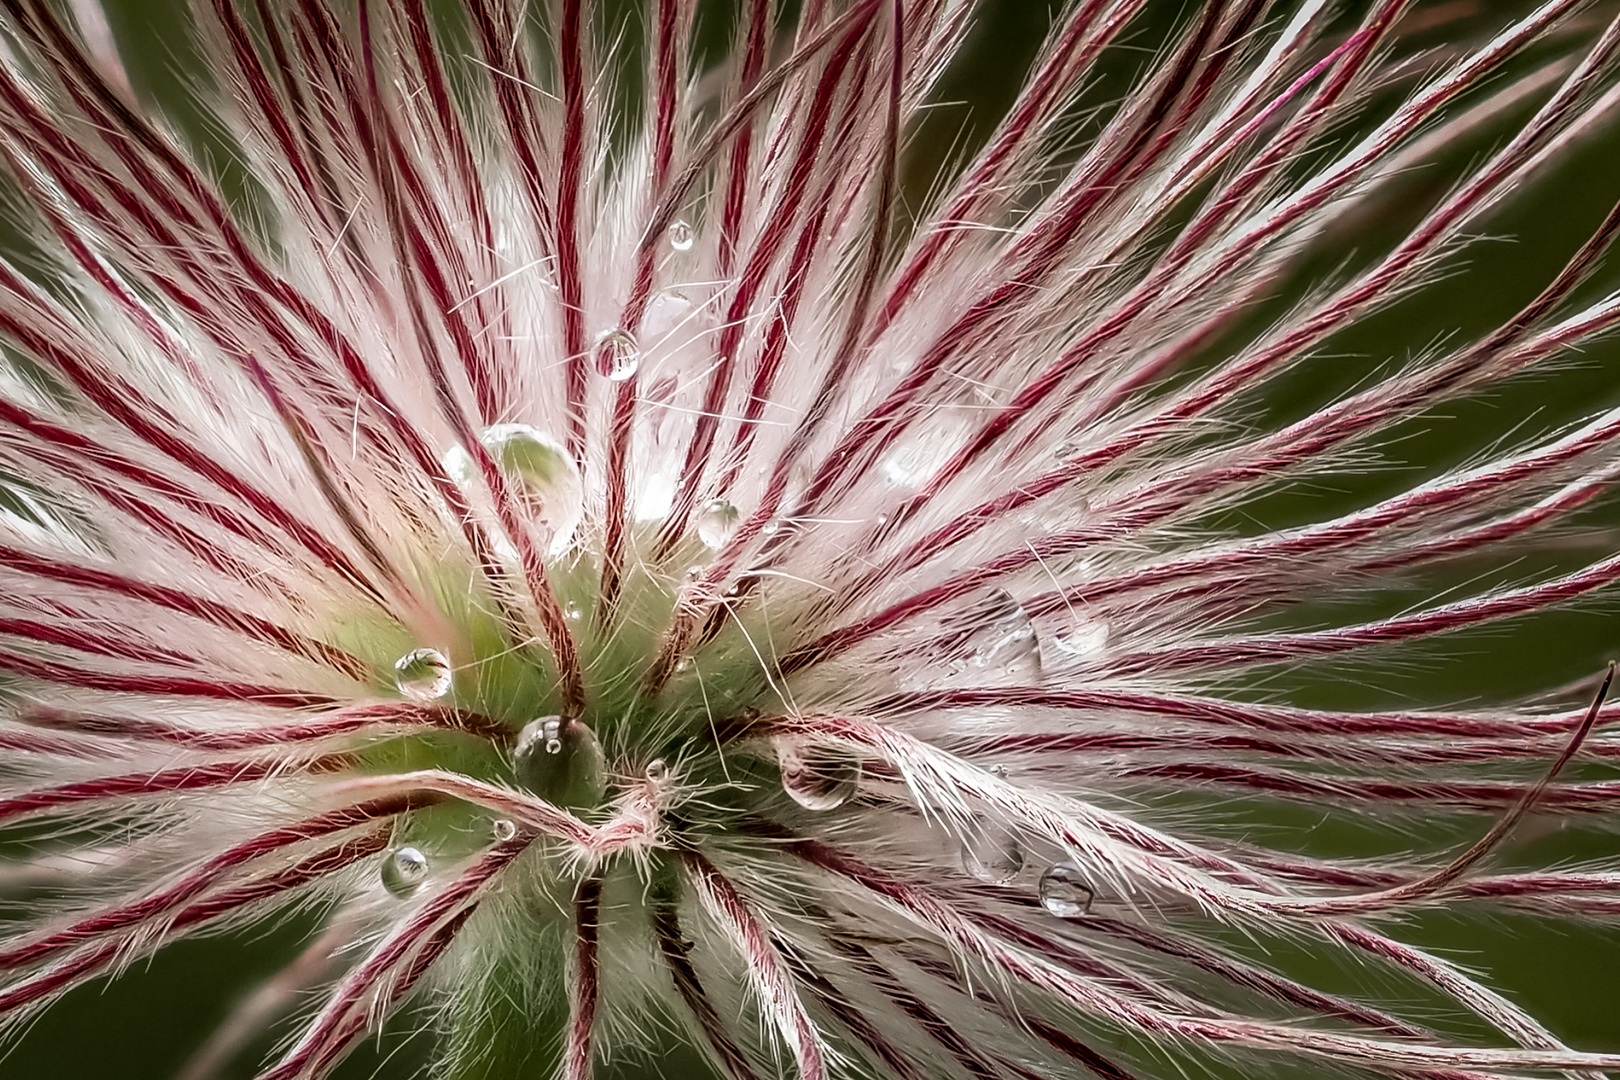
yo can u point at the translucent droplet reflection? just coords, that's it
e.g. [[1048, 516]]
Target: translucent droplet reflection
[[560, 761], [404, 870], [657, 770], [1006, 645], [503, 830], [546, 480], [681, 236], [423, 674], [1063, 891], [817, 777], [716, 522], [538, 740], [992, 854], [1088, 640], [617, 356]]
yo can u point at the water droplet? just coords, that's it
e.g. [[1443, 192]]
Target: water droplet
[[817, 777], [992, 854], [560, 761], [458, 465], [404, 870], [423, 674], [716, 522], [683, 663], [503, 829], [770, 528], [1063, 891], [571, 611], [1005, 644], [671, 319], [657, 770], [1087, 641], [743, 586], [545, 477], [681, 235], [617, 356], [909, 465]]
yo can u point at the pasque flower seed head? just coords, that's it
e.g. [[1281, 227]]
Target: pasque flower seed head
[[542, 493]]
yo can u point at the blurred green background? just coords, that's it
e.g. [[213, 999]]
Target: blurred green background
[[147, 1024]]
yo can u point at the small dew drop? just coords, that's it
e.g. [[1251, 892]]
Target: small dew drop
[[571, 611], [992, 854], [770, 528], [657, 770], [716, 522], [404, 871], [423, 674], [1063, 891], [681, 236], [617, 356], [817, 777], [552, 732], [503, 829], [683, 664]]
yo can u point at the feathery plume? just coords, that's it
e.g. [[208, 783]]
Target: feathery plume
[[537, 492]]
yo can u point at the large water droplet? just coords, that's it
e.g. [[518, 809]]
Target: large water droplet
[[716, 522], [817, 777], [560, 761], [657, 770], [545, 477], [404, 870], [423, 674], [681, 236], [1063, 891], [1005, 645], [991, 852], [617, 355]]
